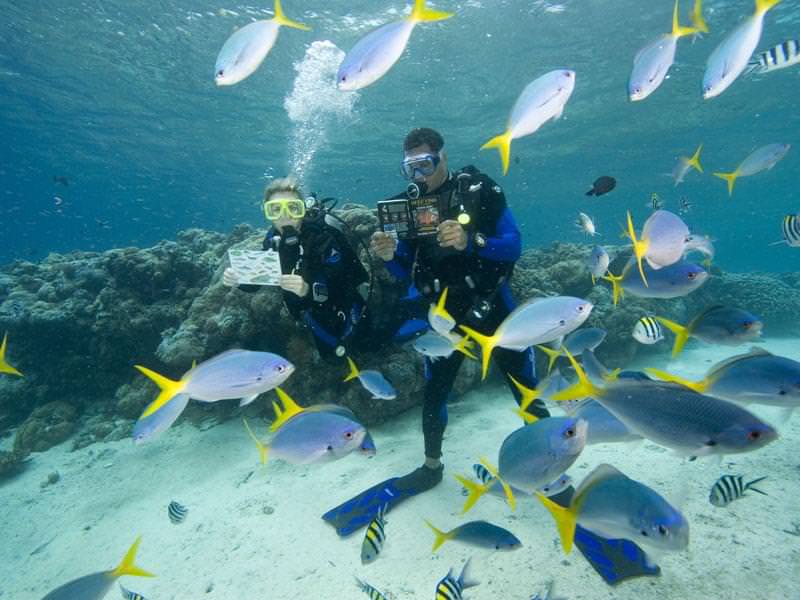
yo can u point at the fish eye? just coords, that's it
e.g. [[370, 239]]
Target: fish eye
[[562, 322], [348, 435], [691, 276], [569, 433], [753, 435], [644, 533], [259, 378], [280, 368], [663, 530], [782, 392], [220, 73]]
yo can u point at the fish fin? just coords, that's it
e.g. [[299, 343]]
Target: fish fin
[[763, 6], [128, 566], [441, 536], [552, 356], [528, 396], [262, 449], [4, 366], [440, 310], [354, 373], [730, 178], [503, 144], [697, 18], [290, 409], [463, 345], [422, 13], [639, 247], [487, 344], [749, 485], [281, 19], [681, 334], [698, 386], [695, 160], [582, 389], [465, 579], [678, 30], [617, 291], [512, 502], [565, 519], [169, 389], [476, 490], [594, 279], [247, 400]]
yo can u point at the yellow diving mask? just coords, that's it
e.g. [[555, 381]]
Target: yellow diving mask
[[291, 207]]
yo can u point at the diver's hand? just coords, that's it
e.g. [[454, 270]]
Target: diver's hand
[[383, 245], [294, 284], [451, 235], [229, 277]]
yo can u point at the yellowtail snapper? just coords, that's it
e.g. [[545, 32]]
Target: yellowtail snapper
[[762, 159], [477, 533], [722, 325], [576, 342], [374, 537], [177, 512], [450, 588], [785, 54], [731, 487], [441, 321], [662, 243], [5, 367], [486, 479], [372, 381], [598, 262], [370, 591], [674, 281], [684, 164]]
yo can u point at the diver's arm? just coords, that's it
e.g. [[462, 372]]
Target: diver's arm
[[505, 245], [400, 264]]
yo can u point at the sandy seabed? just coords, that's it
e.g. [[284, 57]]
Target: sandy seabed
[[254, 532]]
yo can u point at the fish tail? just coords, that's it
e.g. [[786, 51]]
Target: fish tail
[[169, 389], [617, 291], [639, 247], [698, 386], [763, 6], [565, 519], [441, 536], [697, 17], [422, 13], [439, 310], [512, 502], [528, 396], [552, 356], [582, 389], [681, 334], [262, 449], [476, 490], [503, 144], [281, 19], [487, 344], [128, 566], [4, 366], [354, 373], [730, 178], [695, 160], [463, 345], [749, 485], [678, 30], [290, 408]]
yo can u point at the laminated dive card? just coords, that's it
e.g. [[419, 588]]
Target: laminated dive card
[[256, 267], [409, 218]]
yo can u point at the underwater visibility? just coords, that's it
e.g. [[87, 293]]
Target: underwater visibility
[[400, 299]]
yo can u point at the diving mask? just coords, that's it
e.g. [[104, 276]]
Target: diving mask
[[291, 207], [421, 164]]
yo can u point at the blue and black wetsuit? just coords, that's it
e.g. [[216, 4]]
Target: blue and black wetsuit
[[479, 295]]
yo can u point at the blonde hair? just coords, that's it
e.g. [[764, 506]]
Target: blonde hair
[[285, 184]]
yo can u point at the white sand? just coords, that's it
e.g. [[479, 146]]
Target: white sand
[[229, 548]]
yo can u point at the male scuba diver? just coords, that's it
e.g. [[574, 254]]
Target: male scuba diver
[[324, 283], [459, 235]]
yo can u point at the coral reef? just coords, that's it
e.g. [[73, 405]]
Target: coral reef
[[78, 322]]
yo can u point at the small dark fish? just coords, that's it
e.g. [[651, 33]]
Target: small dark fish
[[62, 180], [656, 203], [129, 594], [374, 538], [731, 487], [177, 512], [684, 206], [602, 185], [369, 590]]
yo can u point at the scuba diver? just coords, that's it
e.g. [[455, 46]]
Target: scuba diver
[[450, 231], [324, 283]]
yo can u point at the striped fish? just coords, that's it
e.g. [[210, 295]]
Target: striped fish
[[130, 595], [369, 590], [791, 230], [779, 57], [648, 331], [374, 537], [731, 487], [177, 512], [450, 588]]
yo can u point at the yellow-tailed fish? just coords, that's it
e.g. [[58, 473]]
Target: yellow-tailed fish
[[685, 163], [476, 533], [674, 281], [762, 159], [372, 381], [662, 243], [723, 325], [441, 321], [5, 367]]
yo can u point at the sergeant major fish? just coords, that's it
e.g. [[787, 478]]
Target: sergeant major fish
[[130, 594], [732, 487], [790, 228], [781, 56], [370, 591], [374, 537], [177, 512], [450, 588], [648, 331]]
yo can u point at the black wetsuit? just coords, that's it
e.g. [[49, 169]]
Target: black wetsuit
[[477, 279]]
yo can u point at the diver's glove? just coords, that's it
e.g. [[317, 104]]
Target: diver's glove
[[383, 245], [294, 284], [229, 277]]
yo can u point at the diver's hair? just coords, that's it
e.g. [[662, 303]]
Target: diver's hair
[[285, 184], [423, 136]]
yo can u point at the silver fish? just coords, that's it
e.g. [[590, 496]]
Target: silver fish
[[731, 487], [684, 164], [762, 159], [586, 225], [598, 262], [674, 281], [603, 426], [373, 381], [436, 346]]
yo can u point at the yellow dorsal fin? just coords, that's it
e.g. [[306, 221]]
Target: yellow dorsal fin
[[4, 366], [565, 519], [487, 344], [503, 144], [763, 6], [422, 13], [475, 490], [262, 449], [281, 19], [552, 356], [289, 409], [678, 30], [697, 17], [128, 566], [617, 291], [681, 334], [639, 247], [698, 386], [512, 502], [582, 389], [441, 536], [695, 160], [730, 178], [169, 389], [354, 372], [528, 396]]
